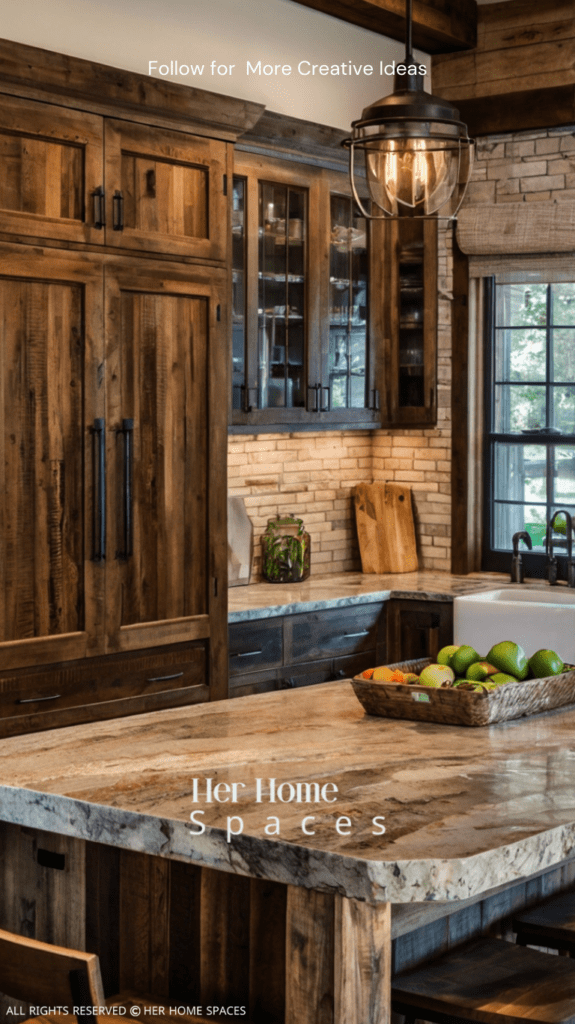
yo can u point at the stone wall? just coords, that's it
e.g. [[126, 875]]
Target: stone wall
[[524, 167]]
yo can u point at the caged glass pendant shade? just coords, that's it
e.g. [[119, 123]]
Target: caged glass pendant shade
[[418, 155]]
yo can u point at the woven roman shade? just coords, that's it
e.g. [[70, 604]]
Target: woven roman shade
[[513, 229]]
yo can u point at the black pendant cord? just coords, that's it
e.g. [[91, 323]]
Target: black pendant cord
[[408, 29]]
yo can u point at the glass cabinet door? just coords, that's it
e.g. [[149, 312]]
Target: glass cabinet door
[[281, 297], [302, 341], [348, 315]]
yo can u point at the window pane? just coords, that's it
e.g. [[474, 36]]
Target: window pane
[[517, 408], [563, 409], [563, 341], [565, 474], [520, 472], [520, 354], [510, 519], [563, 303], [520, 305]]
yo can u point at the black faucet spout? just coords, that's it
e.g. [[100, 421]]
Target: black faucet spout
[[517, 572]]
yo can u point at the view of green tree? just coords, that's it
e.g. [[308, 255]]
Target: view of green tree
[[533, 395]]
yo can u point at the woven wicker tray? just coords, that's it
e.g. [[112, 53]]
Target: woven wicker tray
[[458, 707]]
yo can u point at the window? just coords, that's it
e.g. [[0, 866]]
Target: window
[[530, 417]]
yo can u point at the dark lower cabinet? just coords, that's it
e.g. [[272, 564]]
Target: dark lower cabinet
[[289, 651], [316, 647], [418, 629]]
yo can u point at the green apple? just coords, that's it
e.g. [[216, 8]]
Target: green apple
[[436, 675], [500, 678], [480, 670], [463, 658], [510, 658], [545, 663], [446, 653]]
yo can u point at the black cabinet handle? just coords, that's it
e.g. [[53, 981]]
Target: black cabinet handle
[[99, 514], [118, 208], [326, 408], [36, 700], [127, 429], [246, 654], [162, 679], [99, 208]]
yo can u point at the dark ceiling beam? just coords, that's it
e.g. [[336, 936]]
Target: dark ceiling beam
[[519, 111], [439, 26]]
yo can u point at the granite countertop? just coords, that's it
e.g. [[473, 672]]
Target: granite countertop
[[339, 590], [464, 810]]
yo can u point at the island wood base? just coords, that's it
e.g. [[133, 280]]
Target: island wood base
[[195, 936]]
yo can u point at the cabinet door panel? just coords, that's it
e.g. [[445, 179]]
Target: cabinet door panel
[[165, 191], [158, 502], [49, 170], [51, 332]]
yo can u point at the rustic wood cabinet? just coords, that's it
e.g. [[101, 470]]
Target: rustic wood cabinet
[[165, 191], [418, 629], [113, 356], [302, 351], [406, 319], [51, 168]]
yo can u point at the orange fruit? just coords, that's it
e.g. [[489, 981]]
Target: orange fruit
[[383, 674]]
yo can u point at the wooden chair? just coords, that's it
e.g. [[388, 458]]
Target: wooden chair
[[551, 924], [488, 982], [51, 976]]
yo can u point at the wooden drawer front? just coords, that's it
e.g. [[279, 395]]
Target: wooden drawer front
[[98, 680], [333, 633], [306, 675], [255, 645]]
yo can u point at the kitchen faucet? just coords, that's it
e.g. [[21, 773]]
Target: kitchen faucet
[[517, 571], [551, 558]]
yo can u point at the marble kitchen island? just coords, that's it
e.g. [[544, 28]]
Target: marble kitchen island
[[99, 850]]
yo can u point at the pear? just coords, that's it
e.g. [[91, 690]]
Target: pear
[[410, 677], [510, 658], [436, 675], [545, 663], [480, 670], [463, 658], [446, 653]]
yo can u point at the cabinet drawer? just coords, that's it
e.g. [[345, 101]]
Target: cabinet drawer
[[255, 645], [98, 680], [334, 633]]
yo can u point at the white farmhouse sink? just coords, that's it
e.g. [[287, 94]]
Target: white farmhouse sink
[[532, 618]]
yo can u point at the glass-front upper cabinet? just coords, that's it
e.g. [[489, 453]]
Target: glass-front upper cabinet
[[408, 311], [300, 326]]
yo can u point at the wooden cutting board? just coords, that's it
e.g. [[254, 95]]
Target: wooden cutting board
[[385, 528]]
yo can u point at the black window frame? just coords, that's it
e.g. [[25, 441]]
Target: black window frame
[[499, 560]]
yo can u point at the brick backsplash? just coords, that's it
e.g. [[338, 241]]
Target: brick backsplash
[[313, 474]]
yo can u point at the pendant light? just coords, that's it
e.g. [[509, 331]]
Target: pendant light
[[418, 155]]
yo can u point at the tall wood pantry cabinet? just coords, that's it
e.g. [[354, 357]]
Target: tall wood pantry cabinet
[[114, 238]]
